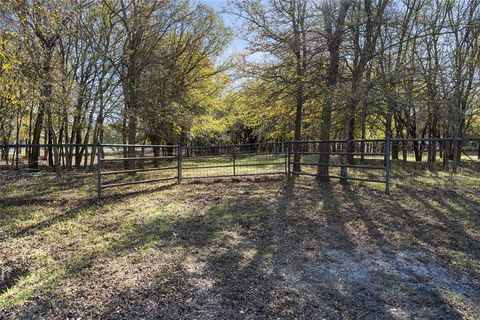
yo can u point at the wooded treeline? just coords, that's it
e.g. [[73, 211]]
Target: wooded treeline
[[364, 69], [72, 68], [135, 71]]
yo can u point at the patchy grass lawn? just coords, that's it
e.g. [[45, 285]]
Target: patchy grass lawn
[[247, 248]]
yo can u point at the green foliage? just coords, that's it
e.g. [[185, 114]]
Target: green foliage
[[184, 84]]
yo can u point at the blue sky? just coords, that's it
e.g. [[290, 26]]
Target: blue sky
[[231, 21]]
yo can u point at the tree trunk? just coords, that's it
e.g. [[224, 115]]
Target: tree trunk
[[417, 150], [349, 125], [124, 138], [37, 132], [29, 141], [53, 138], [298, 127], [131, 117], [363, 134], [334, 39], [50, 151], [132, 138]]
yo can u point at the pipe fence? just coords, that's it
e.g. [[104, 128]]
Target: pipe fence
[[336, 159], [368, 160], [160, 161], [233, 160]]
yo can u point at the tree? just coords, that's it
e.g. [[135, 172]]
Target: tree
[[364, 29], [334, 30], [41, 23], [144, 24], [177, 85], [283, 31]]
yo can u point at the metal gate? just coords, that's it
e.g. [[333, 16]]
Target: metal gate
[[123, 162], [354, 160], [127, 163], [367, 160], [233, 160]]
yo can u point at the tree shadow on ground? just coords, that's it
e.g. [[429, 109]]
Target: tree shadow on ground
[[243, 252], [292, 263], [442, 223], [39, 190], [414, 262], [292, 254], [71, 210], [263, 271]]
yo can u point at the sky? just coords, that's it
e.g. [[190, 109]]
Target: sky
[[237, 44]]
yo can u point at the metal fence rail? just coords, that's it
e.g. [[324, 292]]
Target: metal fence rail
[[366, 160], [72, 156], [446, 153], [176, 162], [162, 161], [233, 160], [317, 158]]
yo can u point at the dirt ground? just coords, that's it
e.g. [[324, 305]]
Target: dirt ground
[[243, 249]]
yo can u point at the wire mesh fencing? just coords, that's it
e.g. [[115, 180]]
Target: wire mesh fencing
[[436, 153], [369, 160], [121, 165], [233, 160], [356, 160]]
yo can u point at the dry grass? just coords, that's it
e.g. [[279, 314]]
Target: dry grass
[[249, 248]]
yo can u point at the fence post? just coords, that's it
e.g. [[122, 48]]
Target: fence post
[[289, 152], [387, 165], [179, 163], [16, 157], [344, 161], [234, 158], [99, 171]]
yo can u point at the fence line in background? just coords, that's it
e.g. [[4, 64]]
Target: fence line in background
[[356, 160]]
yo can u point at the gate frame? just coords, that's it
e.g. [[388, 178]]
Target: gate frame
[[386, 167], [100, 160]]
